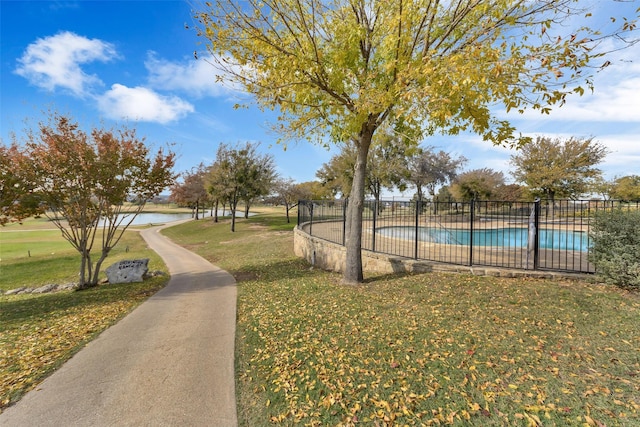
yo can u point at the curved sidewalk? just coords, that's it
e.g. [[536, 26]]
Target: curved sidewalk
[[167, 363]]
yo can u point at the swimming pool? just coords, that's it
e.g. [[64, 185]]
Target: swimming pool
[[500, 237]]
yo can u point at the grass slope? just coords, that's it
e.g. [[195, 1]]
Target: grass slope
[[428, 349]]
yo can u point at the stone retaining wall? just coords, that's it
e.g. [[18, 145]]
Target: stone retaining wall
[[331, 256]]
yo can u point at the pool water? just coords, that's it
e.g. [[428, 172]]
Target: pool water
[[500, 237]]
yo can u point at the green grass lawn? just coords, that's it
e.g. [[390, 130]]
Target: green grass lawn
[[36, 257], [427, 349], [424, 349], [39, 332]]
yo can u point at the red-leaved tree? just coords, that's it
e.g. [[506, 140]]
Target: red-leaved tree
[[92, 185]]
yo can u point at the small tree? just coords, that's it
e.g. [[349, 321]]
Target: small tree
[[287, 192], [386, 166], [17, 199], [430, 169], [216, 184], [509, 193], [261, 174], [239, 174], [477, 184], [626, 188], [337, 173], [315, 190], [558, 168], [603, 187], [85, 180], [191, 192]]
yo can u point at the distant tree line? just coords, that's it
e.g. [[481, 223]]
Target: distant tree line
[[240, 175], [547, 168]]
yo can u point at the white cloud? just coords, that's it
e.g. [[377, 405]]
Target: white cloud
[[615, 101], [624, 154], [616, 95], [195, 77], [55, 61], [143, 104]]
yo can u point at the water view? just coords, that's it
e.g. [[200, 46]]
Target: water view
[[157, 218]]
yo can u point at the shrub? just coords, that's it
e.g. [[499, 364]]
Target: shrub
[[616, 247]]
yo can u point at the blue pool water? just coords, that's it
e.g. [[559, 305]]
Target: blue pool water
[[500, 237]]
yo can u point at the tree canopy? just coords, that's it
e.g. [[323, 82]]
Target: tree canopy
[[84, 182], [477, 184], [553, 167], [240, 174], [626, 188], [314, 190], [430, 169], [17, 198], [342, 69], [287, 192], [191, 191], [386, 167]]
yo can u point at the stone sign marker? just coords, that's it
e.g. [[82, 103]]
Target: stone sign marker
[[127, 271]]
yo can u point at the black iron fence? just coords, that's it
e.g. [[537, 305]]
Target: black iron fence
[[536, 235]]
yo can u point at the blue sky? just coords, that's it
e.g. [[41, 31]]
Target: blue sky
[[107, 63]]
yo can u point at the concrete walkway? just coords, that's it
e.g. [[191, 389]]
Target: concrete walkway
[[168, 363]]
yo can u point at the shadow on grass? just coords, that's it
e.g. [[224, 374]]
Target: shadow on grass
[[298, 268], [385, 277], [288, 269], [27, 308]]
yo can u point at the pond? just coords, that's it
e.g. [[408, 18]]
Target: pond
[[159, 218], [498, 237], [156, 218]]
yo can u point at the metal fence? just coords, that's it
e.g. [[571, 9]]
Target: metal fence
[[536, 235]]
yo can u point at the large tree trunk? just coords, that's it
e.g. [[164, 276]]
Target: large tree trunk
[[353, 237]]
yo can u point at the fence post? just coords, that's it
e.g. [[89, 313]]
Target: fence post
[[311, 218], [472, 216], [536, 241], [415, 234], [373, 230], [344, 220]]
